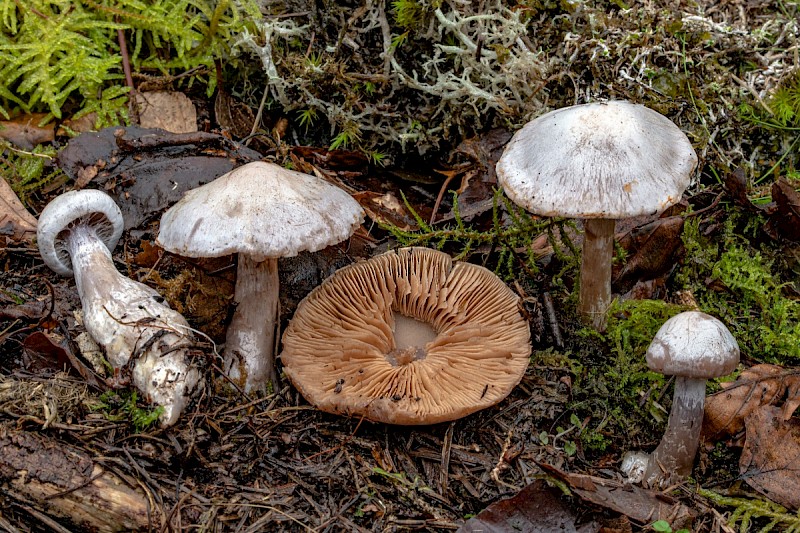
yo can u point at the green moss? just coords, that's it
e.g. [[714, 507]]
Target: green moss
[[56, 52], [737, 282], [27, 172]]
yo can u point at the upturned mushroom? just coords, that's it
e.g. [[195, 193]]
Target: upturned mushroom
[[408, 337], [129, 320], [693, 347], [598, 162], [261, 212]]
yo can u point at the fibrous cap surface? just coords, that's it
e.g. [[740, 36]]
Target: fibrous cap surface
[[260, 209], [601, 160], [693, 344], [340, 350]]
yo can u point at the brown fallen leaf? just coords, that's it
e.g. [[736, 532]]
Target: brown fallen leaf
[[770, 461], [26, 132], [764, 384], [651, 248], [16, 223], [536, 508], [170, 111], [784, 221], [641, 505]]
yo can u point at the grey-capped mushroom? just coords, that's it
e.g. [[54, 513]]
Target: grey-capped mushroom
[[407, 337], [597, 162], [262, 212], [692, 346], [129, 320]]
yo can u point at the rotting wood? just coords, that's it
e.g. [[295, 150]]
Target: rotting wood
[[66, 483]]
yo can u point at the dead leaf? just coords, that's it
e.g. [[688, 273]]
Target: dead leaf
[[536, 508], [641, 505], [784, 221], [25, 131], [16, 223], [770, 461], [764, 384], [651, 249], [170, 111], [736, 184]]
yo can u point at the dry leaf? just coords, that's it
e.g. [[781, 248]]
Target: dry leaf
[[170, 111], [651, 248], [16, 224], [25, 132], [770, 461], [784, 221], [727, 410], [536, 508]]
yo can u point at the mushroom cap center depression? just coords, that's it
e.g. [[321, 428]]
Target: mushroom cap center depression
[[410, 338]]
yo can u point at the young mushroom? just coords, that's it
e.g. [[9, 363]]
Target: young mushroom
[[597, 162], [408, 337], [693, 347], [261, 212], [129, 320]]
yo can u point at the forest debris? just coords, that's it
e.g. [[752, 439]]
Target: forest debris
[[639, 504], [168, 110], [651, 248], [771, 454], [16, 223], [536, 508], [726, 411], [147, 170], [784, 221], [26, 132], [64, 481]]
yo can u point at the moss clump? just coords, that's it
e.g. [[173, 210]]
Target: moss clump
[[57, 52], [736, 282]]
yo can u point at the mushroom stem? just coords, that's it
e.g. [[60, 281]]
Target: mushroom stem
[[250, 342], [674, 456], [595, 278], [128, 320]]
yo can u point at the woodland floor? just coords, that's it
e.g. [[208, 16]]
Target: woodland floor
[[273, 463]]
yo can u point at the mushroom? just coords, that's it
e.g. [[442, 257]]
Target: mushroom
[[129, 320], [261, 212], [407, 337], [693, 347], [598, 162]]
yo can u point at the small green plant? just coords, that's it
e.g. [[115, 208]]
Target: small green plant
[[123, 405], [746, 509], [29, 171], [662, 526]]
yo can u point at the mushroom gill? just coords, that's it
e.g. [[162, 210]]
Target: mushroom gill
[[350, 347]]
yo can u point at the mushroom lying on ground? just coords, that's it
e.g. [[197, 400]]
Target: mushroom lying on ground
[[261, 212], [694, 347], [597, 162], [128, 319], [407, 337]]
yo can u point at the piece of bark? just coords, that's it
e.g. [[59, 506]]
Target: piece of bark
[[65, 483]]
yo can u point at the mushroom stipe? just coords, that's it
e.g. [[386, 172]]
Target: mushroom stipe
[[341, 348]]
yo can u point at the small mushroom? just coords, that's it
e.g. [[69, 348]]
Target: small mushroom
[[408, 337], [261, 212], [129, 320], [597, 162], [693, 347]]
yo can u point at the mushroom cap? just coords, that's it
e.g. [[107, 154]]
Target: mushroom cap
[[87, 206], [340, 352], [602, 160], [695, 345], [260, 209]]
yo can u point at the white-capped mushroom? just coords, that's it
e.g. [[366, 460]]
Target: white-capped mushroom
[[129, 320], [597, 162], [693, 347], [260, 211]]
